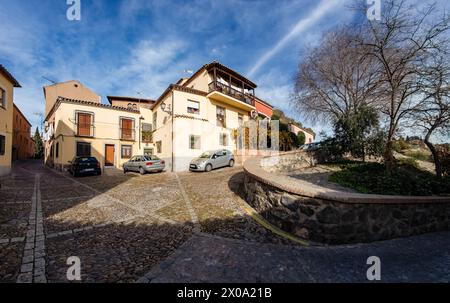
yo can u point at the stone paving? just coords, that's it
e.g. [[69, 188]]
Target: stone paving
[[120, 226], [128, 228]]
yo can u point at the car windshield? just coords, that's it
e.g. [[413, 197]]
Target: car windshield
[[205, 155]]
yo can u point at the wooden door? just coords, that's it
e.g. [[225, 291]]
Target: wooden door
[[109, 155]]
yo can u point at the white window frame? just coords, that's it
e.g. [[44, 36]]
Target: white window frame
[[221, 141], [5, 106], [189, 102], [193, 147]]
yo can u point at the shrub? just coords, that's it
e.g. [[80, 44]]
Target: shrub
[[401, 145], [444, 156], [406, 179]]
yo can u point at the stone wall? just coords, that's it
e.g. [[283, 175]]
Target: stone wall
[[289, 161], [331, 217]]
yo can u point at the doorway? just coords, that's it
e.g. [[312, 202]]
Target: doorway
[[109, 155]]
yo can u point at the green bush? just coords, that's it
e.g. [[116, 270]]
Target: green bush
[[401, 145], [406, 179]]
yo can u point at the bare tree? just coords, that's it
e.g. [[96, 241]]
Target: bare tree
[[400, 43], [336, 78], [433, 114]]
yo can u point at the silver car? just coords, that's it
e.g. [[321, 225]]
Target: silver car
[[211, 160], [144, 164]]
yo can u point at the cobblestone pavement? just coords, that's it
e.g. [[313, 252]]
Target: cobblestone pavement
[[120, 226], [128, 228]]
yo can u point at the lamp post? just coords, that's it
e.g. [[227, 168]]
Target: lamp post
[[166, 108]]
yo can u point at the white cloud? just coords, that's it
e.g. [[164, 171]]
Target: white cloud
[[305, 23]]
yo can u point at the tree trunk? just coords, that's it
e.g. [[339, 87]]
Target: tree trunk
[[437, 162]]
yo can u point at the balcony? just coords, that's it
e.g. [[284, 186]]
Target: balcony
[[127, 134], [230, 95]]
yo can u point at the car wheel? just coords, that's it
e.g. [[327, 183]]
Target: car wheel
[[231, 163], [208, 168], [141, 171]]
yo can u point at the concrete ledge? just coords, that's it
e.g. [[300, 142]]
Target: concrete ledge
[[253, 167], [329, 216]]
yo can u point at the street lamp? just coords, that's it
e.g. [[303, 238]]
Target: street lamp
[[168, 110]]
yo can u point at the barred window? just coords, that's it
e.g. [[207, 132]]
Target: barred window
[[194, 142], [221, 116], [127, 151]]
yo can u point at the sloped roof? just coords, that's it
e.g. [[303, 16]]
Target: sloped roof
[[89, 103], [219, 65], [8, 75], [132, 99]]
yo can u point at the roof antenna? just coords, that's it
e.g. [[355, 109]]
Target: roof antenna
[[49, 80]]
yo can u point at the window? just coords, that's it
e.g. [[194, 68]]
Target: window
[[83, 149], [57, 149], [2, 97], [223, 139], [147, 135], [127, 151], [241, 119], [194, 142], [148, 151], [155, 119], [51, 151], [221, 117], [193, 107], [159, 147], [85, 124], [127, 129], [2, 145]]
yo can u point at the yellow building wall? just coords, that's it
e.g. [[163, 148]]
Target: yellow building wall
[[107, 132], [163, 132], [201, 82], [71, 90], [203, 125], [6, 126]]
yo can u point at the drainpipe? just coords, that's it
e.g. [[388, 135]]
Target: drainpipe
[[173, 108]]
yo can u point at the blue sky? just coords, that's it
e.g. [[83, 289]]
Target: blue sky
[[130, 46]]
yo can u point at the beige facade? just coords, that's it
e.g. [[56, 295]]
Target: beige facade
[[71, 90], [309, 138], [72, 137], [7, 84], [195, 115], [130, 102]]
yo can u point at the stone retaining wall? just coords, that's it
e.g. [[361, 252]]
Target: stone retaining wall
[[328, 216]]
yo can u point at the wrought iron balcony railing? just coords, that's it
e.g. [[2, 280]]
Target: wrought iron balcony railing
[[229, 91]]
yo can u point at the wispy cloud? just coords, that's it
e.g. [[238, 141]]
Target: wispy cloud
[[302, 25]]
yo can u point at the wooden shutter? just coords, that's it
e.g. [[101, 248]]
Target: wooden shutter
[[127, 129], [84, 124]]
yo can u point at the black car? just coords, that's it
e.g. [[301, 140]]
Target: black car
[[84, 166]]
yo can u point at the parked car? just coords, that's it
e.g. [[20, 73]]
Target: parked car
[[211, 160], [84, 166], [144, 164], [311, 146]]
